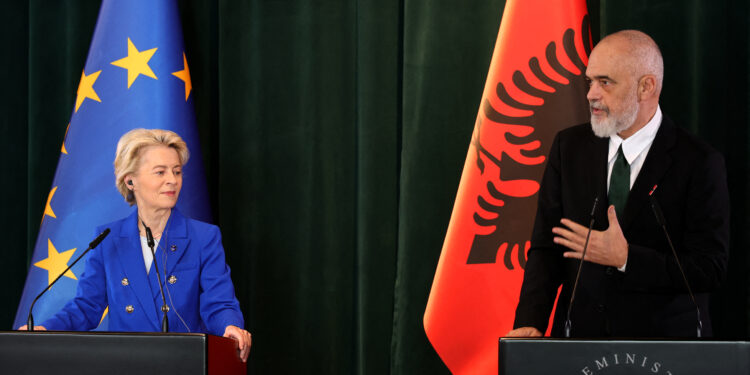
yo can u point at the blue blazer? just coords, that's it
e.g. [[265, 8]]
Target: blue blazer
[[197, 285]]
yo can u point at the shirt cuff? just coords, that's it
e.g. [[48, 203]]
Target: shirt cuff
[[622, 269]]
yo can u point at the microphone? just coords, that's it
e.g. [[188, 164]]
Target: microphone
[[149, 237], [93, 244], [660, 220], [164, 307], [580, 267]]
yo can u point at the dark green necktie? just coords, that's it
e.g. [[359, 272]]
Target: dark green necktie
[[619, 183]]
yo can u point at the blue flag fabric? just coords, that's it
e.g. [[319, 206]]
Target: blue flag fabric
[[136, 76]]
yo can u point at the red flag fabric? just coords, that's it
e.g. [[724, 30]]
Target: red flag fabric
[[535, 87]]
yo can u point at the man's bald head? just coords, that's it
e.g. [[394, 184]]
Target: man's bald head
[[625, 75], [639, 54]]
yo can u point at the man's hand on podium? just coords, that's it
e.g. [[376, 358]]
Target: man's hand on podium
[[524, 332], [243, 337], [36, 328]]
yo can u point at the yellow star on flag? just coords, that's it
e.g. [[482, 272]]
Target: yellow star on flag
[[63, 150], [184, 75], [136, 63], [104, 315], [56, 262], [86, 89], [48, 209]]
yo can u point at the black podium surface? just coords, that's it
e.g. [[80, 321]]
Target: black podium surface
[[588, 357], [117, 353]]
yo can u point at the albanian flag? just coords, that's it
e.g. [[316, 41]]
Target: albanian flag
[[535, 87]]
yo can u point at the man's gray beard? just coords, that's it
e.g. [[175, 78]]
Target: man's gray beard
[[612, 125]]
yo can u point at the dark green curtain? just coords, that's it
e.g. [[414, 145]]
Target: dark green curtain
[[333, 134], [706, 75]]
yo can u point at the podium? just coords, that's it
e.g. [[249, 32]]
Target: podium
[[589, 357], [50, 352]]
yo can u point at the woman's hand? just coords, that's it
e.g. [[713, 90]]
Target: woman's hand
[[36, 328], [244, 338]]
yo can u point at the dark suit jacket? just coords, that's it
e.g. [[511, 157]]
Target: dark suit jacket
[[649, 299]]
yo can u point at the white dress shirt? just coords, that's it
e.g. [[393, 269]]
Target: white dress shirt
[[148, 258], [635, 148]]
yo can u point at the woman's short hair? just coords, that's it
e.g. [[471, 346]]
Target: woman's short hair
[[130, 149]]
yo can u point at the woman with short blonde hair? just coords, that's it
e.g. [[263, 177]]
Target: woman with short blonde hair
[[130, 146], [125, 271]]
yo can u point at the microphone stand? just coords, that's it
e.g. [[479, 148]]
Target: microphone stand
[[580, 267], [93, 244], [660, 219], [164, 307]]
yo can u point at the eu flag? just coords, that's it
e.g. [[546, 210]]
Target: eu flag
[[136, 76]]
